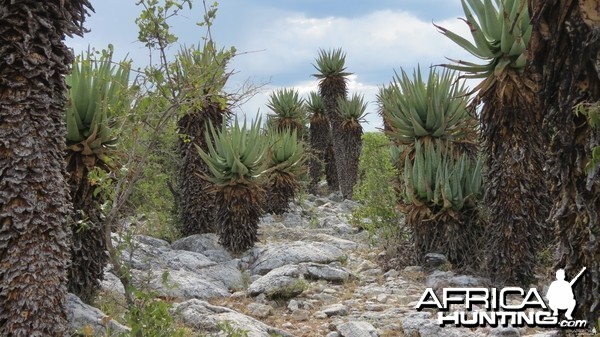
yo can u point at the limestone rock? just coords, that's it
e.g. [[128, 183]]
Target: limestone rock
[[357, 329], [279, 255], [335, 310], [260, 310], [206, 244], [326, 272], [282, 281], [82, 316], [203, 316]]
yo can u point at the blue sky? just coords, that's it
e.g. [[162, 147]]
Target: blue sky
[[378, 37]]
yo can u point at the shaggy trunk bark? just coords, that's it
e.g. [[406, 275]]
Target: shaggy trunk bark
[[319, 140], [196, 204], [516, 194], [88, 249], [34, 204], [567, 43], [331, 89]]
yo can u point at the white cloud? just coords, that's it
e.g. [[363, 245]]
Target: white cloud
[[375, 44], [378, 40]]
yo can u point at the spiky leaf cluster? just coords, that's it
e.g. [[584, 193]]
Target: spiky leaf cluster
[[315, 106], [237, 153], [286, 152], [416, 109], [440, 179], [353, 110], [200, 74], [501, 30], [285, 163], [331, 63], [97, 90], [288, 109]]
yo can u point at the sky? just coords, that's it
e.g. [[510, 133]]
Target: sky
[[279, 40]]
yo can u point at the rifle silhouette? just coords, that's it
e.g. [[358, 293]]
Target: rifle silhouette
[[576, 277]]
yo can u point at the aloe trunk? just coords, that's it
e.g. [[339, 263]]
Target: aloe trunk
[[34, 203], [567, 61]]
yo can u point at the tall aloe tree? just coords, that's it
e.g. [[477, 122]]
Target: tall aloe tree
[[288, 111], [433, 132], [320, 143], [352, 112], [566, 56], [285, 163], [98, 89], [332, 86], [513, 139], [34, 205], [201, 74], [236, 164]]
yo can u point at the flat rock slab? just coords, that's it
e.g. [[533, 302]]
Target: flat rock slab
[[203, 316], [180, 284], [278, 282], [357, 329], [424, 325], [275, 256], [81, 315], [325, 272], [205, 244]]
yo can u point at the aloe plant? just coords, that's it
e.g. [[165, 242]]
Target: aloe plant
[[285, 164], [352, 113], [501, 30], [332, 77], [517, 196], [288, 110], [321, 145], [201, 73], [98, 90], [235, 158], [433, 135], [434, 109]]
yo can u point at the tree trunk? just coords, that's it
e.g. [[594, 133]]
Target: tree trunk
[[88, 248], [196, 203], [516, 195], [34, 236], [331, 89], [566, 41]]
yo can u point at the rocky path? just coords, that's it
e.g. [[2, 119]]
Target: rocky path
[[312, 274]]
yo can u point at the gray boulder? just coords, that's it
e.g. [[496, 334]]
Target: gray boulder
[[179, 284], [203, 316], [357, 329], [280, 282], [326, 272], [111, 283], [82, 316], [206, 244], [279, 255], [422, 324]]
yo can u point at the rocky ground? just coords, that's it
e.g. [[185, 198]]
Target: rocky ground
[[312, 274]]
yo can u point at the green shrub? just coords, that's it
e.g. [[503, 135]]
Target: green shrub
[[375, 188]]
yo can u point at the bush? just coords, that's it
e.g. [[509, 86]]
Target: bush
[[375, 188]]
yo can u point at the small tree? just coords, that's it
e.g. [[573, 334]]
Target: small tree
[[321, 145], [513, 139], [285, 163], [236, 164], [433, 134], [98, 89], [332, 86], [352, 112]]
